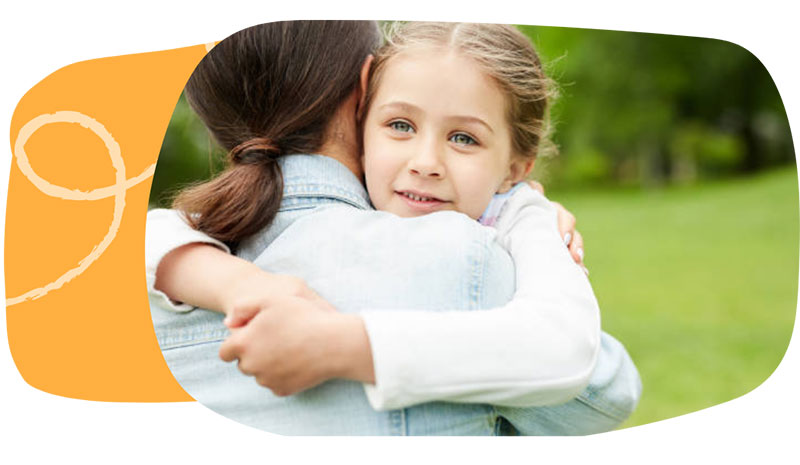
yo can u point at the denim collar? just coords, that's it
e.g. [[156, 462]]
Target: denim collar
[[319, 176]]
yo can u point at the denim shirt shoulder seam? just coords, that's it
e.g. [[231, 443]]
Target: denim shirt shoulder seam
[[298, 192], [299, 201], [176, 341]]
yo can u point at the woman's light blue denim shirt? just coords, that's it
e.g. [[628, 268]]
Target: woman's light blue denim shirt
[[344, 253]]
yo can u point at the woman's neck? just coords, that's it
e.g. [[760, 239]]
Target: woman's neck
[[341, 139], [346, 154]]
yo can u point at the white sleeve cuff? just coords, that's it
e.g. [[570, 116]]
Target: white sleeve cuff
[[162, 300], [166, 231]]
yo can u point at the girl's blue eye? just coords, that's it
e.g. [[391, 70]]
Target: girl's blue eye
[[401, 126], [463, 139]]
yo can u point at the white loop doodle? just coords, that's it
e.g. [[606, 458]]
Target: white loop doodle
[[117, 190]]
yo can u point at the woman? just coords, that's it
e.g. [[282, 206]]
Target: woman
[[296, 357]]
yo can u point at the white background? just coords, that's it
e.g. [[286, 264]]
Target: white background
[[38, 39]]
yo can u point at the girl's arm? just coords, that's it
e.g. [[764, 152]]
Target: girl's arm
[[187, 269], [433, 356], [538, 349], [169, 241]]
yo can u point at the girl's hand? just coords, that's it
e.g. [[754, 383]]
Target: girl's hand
[[294, 343], [257, 290], [566, 227]]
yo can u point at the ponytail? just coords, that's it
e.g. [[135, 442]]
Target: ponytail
[[242, 200], [264, 92]]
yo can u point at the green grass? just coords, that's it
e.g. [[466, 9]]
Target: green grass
[[699, 283]]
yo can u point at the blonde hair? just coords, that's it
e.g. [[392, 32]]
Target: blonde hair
[[504, 53]]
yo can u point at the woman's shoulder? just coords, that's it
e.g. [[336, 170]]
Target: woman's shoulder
[[448, 237], [427, 227], [423, 255]]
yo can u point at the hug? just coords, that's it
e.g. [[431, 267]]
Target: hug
[[371, 256]]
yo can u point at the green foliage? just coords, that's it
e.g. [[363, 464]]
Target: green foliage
[[659, 108], [188, 154], [696, 146]]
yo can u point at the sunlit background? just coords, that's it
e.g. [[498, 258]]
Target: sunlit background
[[675, 154]]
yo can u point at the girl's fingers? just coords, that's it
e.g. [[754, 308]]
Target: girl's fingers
[[229, 350], [536, 186], [566, 223], [239, 316], [576, 250], [323, 304]]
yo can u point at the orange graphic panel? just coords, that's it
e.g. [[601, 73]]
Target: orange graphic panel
[[85, 142]]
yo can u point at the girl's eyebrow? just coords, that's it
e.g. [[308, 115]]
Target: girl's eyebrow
[[472, 119], [401, 106], [413, 109]]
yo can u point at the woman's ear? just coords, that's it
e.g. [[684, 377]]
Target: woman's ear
[[519, 170], [363, 81]]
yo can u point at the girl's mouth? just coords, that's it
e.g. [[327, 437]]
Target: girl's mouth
[[420, 201]]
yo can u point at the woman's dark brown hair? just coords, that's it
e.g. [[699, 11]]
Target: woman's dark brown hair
[[267, 91]]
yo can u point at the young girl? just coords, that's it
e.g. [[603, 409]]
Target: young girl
[[455, 114], [454, 118]]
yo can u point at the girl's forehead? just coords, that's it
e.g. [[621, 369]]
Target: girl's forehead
[[439, 72], [445, 64], [423, 52]]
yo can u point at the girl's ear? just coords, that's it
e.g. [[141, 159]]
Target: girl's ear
[[519, 170], [363, 81]]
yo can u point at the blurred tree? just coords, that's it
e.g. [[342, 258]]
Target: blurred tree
[[647, 109], [188, 154]]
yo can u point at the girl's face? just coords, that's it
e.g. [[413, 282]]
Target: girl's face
[[436, 137]]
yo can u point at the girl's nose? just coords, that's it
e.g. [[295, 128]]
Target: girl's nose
[[427, 162]]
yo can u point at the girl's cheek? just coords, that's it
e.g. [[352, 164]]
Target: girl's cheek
[[379, 144], [369, 165]]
